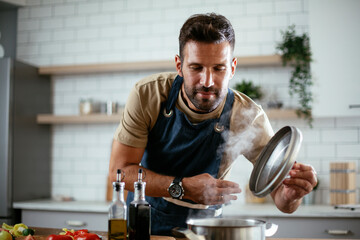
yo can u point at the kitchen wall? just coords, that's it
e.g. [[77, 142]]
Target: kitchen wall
[[63, 32]]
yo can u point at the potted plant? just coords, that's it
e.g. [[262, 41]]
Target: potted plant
[[295, 52], [249, 89]]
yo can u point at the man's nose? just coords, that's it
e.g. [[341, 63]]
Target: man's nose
[[207, 80]]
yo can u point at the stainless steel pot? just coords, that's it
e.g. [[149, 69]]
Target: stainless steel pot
[[228, 229]]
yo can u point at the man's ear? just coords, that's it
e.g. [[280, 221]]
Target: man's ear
[[178, 65], [233, 66]]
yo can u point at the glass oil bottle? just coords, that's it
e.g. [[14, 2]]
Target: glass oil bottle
[[139, 212], [117, 226]]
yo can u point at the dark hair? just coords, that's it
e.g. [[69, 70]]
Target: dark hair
[[207, 28]]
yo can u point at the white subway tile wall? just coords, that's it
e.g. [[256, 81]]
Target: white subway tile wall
[[90, 31]]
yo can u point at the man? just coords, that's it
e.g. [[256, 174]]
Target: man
[[183, 128]]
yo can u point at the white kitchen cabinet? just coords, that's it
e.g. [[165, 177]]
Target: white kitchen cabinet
[[308, 221], [294, 227], [64, 214], [93, 221], [334, 31]]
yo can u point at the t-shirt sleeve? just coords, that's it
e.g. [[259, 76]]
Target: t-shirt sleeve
[[142, 109], [134, 125]]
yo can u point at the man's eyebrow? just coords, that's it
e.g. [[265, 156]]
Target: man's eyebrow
[[217, 64], [193, 63]]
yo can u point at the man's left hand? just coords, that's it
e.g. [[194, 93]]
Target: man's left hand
[[301, 182]]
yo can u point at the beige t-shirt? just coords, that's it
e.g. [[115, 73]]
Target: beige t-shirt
[[250, 129]]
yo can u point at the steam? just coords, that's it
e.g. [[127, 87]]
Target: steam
[[243, 139], [242, 136]]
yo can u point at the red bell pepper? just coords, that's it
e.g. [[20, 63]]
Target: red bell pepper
[[59, 237], [81, 231], [87, 236], [82, 234]]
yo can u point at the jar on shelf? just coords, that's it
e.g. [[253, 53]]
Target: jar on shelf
[[86, 106]]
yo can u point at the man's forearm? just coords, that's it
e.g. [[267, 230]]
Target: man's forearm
[[127, 159], [156, 184]]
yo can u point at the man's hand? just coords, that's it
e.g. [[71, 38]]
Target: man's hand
[[205, 189], [301, 182]]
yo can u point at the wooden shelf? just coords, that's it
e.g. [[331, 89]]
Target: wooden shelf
[[273, 114], [277, 114], [251, 61], [77, 119]]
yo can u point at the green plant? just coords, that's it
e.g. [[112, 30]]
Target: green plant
[[317, 185], [249, 89], [295, 52]]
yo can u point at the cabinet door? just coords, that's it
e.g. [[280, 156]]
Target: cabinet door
[[70, 220], [344, 228], [334, 38]]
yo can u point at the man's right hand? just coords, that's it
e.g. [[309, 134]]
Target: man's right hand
[[205, 189]]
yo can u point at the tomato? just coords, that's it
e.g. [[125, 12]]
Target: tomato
[[87, 236], [59, 237]]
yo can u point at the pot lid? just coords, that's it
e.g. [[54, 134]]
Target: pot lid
[[275, 161]]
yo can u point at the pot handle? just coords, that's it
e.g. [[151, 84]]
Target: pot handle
[[271, 229], [187, 233]]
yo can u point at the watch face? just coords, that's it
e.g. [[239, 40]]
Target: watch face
[[175, 190]]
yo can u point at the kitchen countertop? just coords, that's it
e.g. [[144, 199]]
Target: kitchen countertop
[[71, 206], [234, 209]]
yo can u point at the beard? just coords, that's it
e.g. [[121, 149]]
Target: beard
[[205, 104]]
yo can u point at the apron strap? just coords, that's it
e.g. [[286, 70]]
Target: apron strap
[[173, 95], [226, 112]]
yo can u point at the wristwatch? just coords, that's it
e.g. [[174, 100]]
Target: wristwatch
[[176, 189]]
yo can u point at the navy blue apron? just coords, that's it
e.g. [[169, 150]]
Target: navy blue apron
[[176, 147]]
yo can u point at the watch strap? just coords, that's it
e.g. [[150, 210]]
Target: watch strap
[[177, 180]]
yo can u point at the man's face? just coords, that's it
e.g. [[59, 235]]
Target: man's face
[[207, 69]]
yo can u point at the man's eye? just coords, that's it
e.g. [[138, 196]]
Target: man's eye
[[196, 68], [220, 68]]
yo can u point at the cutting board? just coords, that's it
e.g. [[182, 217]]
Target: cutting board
[[161, 238], [43, 237], [342, 183], [42, 233]]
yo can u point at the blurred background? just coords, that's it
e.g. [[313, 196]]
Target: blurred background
[[56, 33]]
